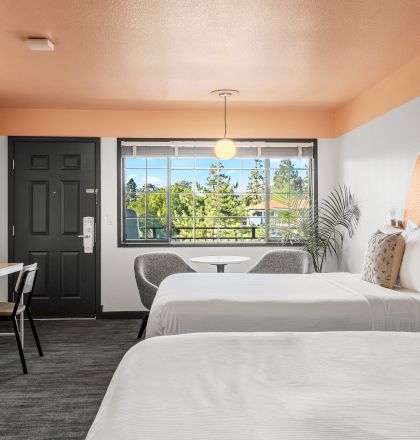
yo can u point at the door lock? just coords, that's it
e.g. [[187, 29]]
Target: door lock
[[88, 234]]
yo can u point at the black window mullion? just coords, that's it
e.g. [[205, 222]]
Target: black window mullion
[[124, 199], [168, 201], [194, 199], [146, 194], [267, 199]]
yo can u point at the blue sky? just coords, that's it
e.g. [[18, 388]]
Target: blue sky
[[157, 174]]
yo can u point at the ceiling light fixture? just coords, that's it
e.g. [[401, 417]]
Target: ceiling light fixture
[[39, 44], [225, 148]]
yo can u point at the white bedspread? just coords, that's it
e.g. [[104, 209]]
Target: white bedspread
[[266, 386], [190, 303]]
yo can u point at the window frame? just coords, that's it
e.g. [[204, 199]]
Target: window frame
[[167, 244]]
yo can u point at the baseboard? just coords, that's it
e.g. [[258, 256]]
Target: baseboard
[[122, 315]]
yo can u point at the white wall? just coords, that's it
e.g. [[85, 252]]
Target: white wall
[[376, 161], [327, 179], [3, 213], [119, 290]]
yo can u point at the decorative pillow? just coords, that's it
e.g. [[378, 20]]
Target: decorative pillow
[[410, 266], [383, 259]]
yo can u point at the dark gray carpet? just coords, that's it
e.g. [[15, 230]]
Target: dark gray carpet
[[60, 396]]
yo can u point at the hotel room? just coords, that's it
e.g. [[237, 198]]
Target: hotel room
[[210, 219]]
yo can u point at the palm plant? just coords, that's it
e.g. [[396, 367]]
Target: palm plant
[[321, 228]]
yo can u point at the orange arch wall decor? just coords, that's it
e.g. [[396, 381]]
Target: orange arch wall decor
[[412, 211]]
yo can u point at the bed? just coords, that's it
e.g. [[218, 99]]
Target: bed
[[251, 386], [192, 303]]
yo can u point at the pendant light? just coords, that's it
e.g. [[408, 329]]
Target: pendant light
[[225, 148]]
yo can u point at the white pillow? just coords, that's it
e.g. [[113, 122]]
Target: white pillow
[[411, 225], [410, 266]]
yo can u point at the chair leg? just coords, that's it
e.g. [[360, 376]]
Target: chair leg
[[22, 330], [31, 321], [143, 326], [22, 357]]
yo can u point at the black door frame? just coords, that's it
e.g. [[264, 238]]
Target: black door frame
[[11, 204]]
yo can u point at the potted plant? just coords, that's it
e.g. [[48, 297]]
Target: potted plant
[[321, 227]]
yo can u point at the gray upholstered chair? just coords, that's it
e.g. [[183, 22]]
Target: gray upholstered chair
[[150, 270], [284, 261]]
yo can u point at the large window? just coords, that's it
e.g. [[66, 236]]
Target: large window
[[179, 193]]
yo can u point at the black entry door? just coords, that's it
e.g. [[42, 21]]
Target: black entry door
[[54, 184]]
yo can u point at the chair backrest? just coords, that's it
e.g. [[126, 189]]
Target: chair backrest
[[284, 261], [25, 284], [152, 268]]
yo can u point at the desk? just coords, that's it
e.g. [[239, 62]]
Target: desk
[[7, 269], [220, 261]]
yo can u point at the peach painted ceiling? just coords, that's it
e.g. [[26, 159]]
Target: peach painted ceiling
[[157, 54]]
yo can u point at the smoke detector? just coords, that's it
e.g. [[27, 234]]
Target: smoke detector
[[39, 44]]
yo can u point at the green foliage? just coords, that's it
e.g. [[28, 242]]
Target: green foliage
[[322, 227], [286, 179], [255, 186], [212, 209], [218, 199], [182, 199], [182, 209], [150, 202]]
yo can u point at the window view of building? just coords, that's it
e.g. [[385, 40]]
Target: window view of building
[[197, 199]]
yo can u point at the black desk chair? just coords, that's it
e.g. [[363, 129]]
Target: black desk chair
[[9, 311]]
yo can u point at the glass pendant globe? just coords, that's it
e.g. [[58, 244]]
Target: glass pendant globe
[[225, 149]]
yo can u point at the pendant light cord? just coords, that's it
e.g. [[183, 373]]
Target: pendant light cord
[[225, 117]]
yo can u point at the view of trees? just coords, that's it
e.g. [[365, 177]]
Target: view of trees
[[212, 210], [287, 180], [256, 185]]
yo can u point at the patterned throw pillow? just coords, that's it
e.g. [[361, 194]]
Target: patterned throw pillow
[[383, 259]]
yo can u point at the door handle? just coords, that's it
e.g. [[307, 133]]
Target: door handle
[[88, 234]]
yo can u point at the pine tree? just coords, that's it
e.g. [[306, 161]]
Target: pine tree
[[131, 191], [182, 209], [218, 201], [283, 175], [256, 185], [182, 199], [286, 180], [219, 198]]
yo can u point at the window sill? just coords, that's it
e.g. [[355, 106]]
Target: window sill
[[204, 245]]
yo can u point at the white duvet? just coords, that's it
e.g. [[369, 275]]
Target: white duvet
[[192, 302], [266, 386]]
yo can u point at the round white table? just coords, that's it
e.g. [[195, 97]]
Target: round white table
[[220, 261]]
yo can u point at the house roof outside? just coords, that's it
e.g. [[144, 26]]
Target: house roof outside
[[274, 204]]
